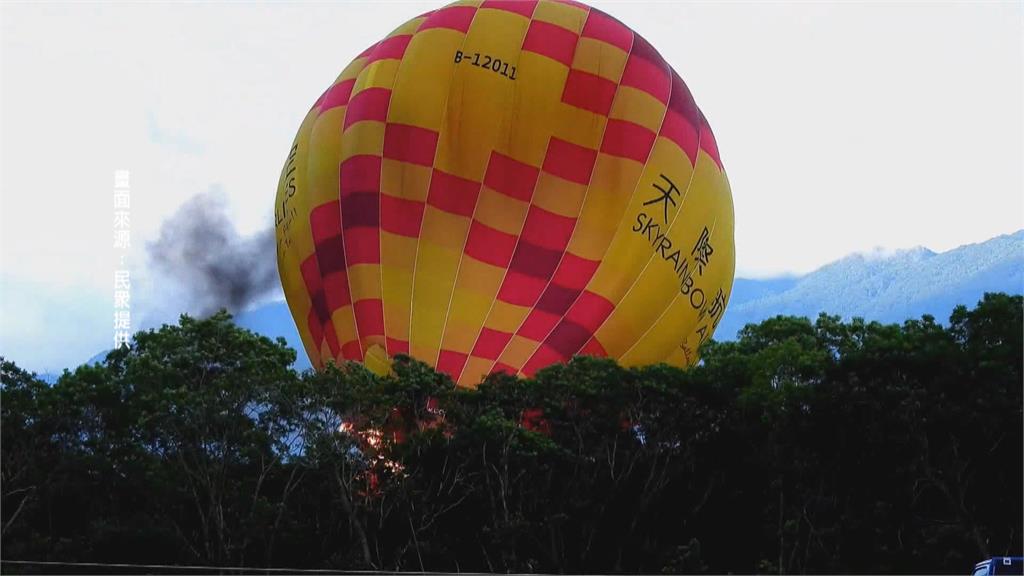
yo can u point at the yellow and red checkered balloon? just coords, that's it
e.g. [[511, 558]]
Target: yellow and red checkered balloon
[[500, 185]]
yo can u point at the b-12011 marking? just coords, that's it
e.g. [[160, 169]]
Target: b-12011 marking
[[487, 62]]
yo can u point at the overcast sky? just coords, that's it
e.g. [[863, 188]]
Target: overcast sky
[[843, 127]]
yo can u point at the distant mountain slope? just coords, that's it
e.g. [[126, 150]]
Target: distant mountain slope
[[888, 287]]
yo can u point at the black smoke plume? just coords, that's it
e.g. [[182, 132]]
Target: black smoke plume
[[201, 252]]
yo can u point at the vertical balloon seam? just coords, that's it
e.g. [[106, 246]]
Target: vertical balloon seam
[[511, 110], [682, 200], [339, 355], [589, 11], [636, 187], [364, 347], [441, 130], [490, 309], [380, 180], [398, 72]]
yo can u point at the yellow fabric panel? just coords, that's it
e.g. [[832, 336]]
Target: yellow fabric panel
[[691, 318], [659, 282], [362, 138], [565, 15], [505, 317], [480, 99], [559, 196], [474, 292], [501, 212], [599, 58], [421, 87], [475, 371], [538, 95], [611, 188], [380, 74], [404, 180], [519, 349], [436, 266], [638, 107], [629, 252]]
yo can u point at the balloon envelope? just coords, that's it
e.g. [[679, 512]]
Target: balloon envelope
[[501, 185]]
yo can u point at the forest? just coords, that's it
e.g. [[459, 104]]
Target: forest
[[804, 446]]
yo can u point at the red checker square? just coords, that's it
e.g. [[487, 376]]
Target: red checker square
[[543, 357], [396, 346], [557, 299], [567, 338], [452, 194], [451, 362], [547, 229], [310, 270], [534, 260], [682, 101], [709, 145], [336, 290], [593, 348], [368, 104], [569, 161], [627, 140], [409, 143], [641, 48], [589, 92], [369, 317], [360, 174], [511, 177], [319, 302], [502, 368], [337, 95], [489, 245], [607, 29], [574, 272], [538, 325], [521, 7], [330, 255], [325, 221], [648, 76], [520, 289], [389, 48], [455, 17], [316, 329], [552, 41], [677, 129], [351, 350], [401, 216], [362, 246], [490, 343], [366, 52], [360, 210], [589, 311]]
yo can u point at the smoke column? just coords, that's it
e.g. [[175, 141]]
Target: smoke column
[[214, 267]]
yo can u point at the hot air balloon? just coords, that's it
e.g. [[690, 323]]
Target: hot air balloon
[[501, 185]]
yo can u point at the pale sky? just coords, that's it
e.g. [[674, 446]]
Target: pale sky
[[843, 127]]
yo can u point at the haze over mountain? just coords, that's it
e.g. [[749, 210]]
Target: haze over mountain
[[887, 286]]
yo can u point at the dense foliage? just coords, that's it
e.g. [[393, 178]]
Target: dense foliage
[[802, 447]]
